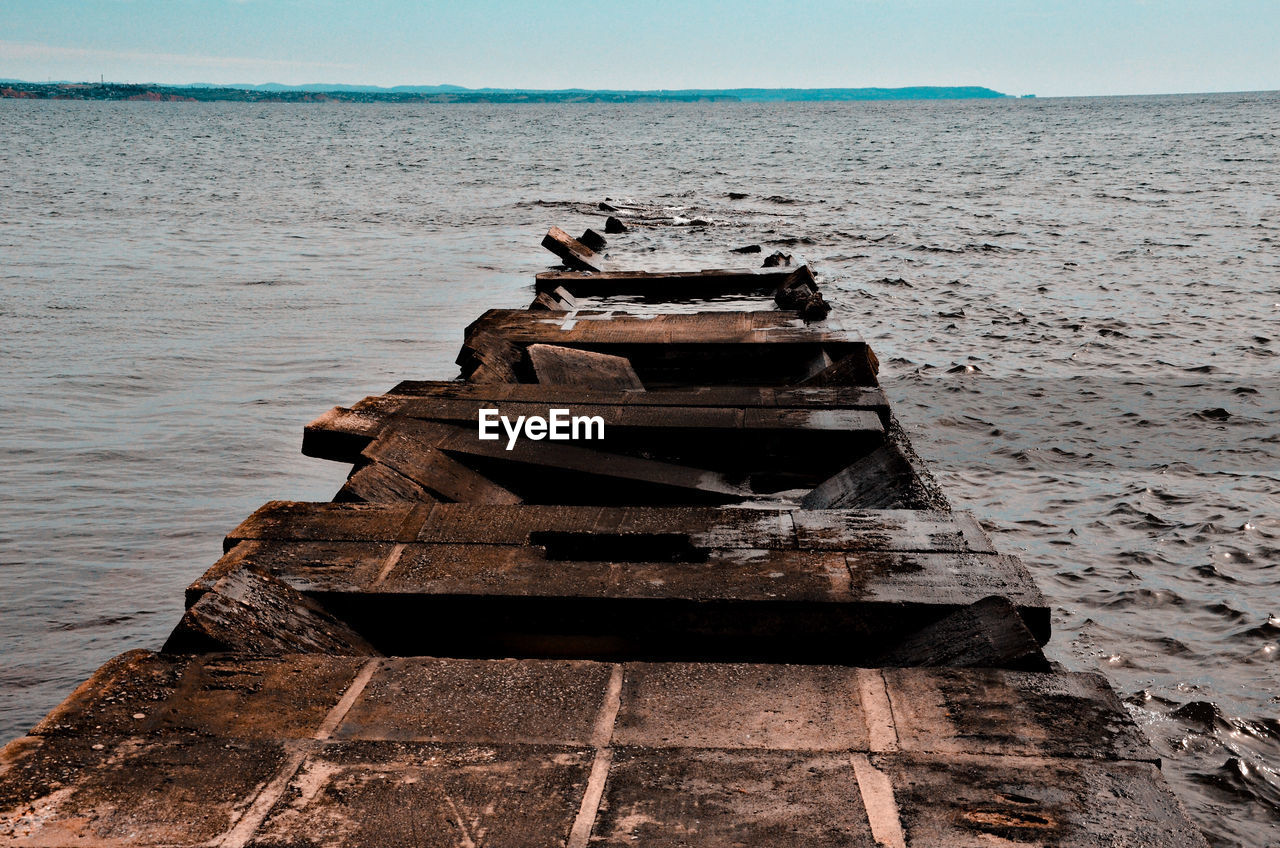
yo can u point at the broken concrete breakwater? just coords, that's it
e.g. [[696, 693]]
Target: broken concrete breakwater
[[746, 616]]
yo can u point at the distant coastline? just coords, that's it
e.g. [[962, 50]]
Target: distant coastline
[[316, 93]]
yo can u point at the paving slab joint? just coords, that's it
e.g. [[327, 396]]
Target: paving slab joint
[[602, 734], [877, 710], [878, 800], [243, 831]]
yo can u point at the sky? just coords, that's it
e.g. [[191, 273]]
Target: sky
[[1049, 48]]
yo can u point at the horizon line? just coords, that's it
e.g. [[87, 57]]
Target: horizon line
[[316, 86]]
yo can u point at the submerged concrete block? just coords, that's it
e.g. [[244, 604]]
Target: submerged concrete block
[[593, 240], [572, 252]]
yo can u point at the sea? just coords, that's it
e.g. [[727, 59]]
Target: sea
[[1076, 304]]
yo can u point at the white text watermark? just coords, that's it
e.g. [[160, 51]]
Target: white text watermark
[[559, 425]]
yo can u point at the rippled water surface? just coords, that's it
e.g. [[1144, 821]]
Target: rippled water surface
[[1076, 303]]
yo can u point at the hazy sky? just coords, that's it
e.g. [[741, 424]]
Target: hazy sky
[[1015, 46]]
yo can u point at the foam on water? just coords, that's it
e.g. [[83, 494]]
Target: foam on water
[[1077, 304]]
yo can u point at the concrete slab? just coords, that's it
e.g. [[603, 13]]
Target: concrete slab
[[141, 693], [799, 606], [379, 794], [413, 453], [374, 482], [731, 705], [667, 285], [902, 530], [824, 397], [936, 711], [990, 633], [343, 522], [763, 575], [758, 348], [572, 252], [891, 529], [251, 611], [311, 566], [711, 798], [604, 327], [100, 790], [707, 527], [552, 581], [562, 366], [944, 711], [622, 413], [960, 800], [492, 702]]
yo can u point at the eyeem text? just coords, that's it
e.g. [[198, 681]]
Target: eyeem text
[[559, 425]]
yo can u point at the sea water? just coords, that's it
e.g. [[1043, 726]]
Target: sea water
[[1076, 304]]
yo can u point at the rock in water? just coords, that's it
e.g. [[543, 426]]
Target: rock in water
[[776, 259], [613, 225], [593, 240], [798, 287], [800, 293], [814, 308]]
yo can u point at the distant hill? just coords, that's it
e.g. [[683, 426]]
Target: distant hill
[[337, 87], [319, 92]]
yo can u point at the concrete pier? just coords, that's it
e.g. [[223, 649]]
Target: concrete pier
[[744, 616]]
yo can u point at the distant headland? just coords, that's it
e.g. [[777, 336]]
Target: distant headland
[[320, 92]]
